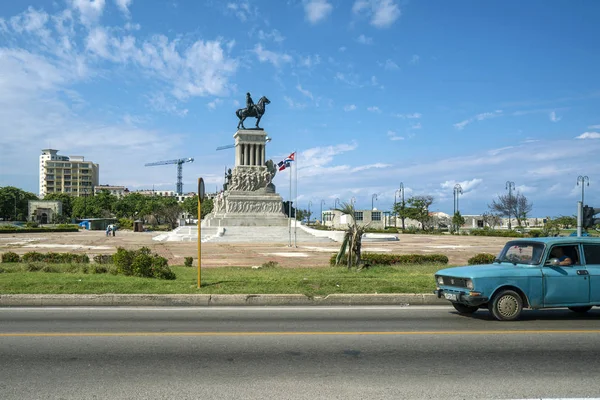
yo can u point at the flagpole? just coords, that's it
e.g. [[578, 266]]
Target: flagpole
[[296, 190], [290, 211]]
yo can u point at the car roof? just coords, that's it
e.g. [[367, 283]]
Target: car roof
[[561, 239]]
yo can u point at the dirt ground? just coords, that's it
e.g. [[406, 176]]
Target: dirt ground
[[457, 248]]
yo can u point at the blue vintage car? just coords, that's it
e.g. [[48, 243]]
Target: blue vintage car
[[528, 273]]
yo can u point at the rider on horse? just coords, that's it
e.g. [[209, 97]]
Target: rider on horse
[[249, 104]]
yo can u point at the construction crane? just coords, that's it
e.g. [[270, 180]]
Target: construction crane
[[179, 163]]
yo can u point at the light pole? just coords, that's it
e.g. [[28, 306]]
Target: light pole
[[352, 201], [336, 202], [16, 195], [395, 213], [584, 180], [321, 217], [402, 202], [510, 186], [373, 198], [309, 204]]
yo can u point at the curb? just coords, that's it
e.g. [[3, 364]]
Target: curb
[[214, 300]]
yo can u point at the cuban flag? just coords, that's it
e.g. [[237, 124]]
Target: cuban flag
[[286, 162]]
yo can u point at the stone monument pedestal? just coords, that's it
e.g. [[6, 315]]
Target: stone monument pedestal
[[249, 198]]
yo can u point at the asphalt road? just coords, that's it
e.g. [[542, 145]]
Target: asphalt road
[[295, 353]]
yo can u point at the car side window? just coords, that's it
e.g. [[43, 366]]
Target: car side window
[[570, 252], [592, 253]]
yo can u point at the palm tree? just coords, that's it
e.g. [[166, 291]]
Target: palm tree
[[352, 239]]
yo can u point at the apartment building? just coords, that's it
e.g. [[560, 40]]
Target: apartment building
[[118, 191], [62, 174]]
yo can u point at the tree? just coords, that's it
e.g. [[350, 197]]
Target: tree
[[400, 210], [566, 222], [169, 211], [130, 206], [491, 220], [301, 214], [14, 203], [190, 205], [352, 239], [517, 206], [418, 209], [458, 221]]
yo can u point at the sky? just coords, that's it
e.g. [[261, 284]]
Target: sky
[[371, 94]]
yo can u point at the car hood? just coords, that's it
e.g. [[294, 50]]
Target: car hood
[[482, 270]]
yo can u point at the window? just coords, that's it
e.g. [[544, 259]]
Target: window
[[358, 215], [480, 223], [376, 216], [592, 253], [569, 251], [328, 217]]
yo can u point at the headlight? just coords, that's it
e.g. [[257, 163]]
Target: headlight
[[440, 280], [469, 284]]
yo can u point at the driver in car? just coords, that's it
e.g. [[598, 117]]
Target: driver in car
[[563, 259]]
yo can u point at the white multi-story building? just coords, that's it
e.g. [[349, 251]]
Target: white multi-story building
[[118, 191], [71, 175]]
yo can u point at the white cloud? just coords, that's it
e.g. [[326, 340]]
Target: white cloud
[[342, 49], [370, 166], [350, 107], [316, 160], [349, 79], [415, 59], [310, 61], [364, 39], [553, 117], [416, 126], [390, 65], [394, 136], [479, 117], [304, 91], [277, 59], [317, 10], [466, 186], [408, 116], [594, 127], [589, 135], [124, 6], [293, 104], [382, 13], [89, 10], [243, 11], [213, 104], [374, 109], [274, 35]]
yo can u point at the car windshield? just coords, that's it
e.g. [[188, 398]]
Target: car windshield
[[522, 253]]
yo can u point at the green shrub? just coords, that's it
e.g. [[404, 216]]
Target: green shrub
[[125, 223], [495, 232], [55, 258], [99, 269], [395, 259], [141, 265], [270, 264], [103, 259], [31, 224], [34, 266], [10, 257], [189, 261], [122, 260], [68, 226], [50, 268], [481, 258]]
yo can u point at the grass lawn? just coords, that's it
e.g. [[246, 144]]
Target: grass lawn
[[70, 279]]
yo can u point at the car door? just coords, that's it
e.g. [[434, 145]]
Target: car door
[[591, 253], [566, 285]]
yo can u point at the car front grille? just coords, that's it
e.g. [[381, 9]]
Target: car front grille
[[458, 282]]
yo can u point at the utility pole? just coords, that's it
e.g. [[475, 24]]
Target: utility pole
[[402, 194], [510, 186], [583, 180], [321, 217], [457, 190]]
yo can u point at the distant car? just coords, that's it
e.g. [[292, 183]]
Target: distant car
[[526, 275]]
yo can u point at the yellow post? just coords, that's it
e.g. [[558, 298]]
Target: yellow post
[[200, 195]]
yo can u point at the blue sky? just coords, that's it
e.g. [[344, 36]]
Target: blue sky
[[370, 93]]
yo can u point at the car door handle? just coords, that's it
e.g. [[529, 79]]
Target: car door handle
[[582, 272]]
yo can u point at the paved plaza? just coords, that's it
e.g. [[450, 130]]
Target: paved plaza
[[249, 249]]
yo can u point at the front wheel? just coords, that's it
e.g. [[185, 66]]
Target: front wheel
[[465, 309], [582, 309], [506, 305]]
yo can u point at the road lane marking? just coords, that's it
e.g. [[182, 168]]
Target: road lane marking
[[308, 333]]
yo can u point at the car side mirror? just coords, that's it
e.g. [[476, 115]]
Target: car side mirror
[[553, 262]]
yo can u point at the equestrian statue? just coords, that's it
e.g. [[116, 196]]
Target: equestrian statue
[[252, 110]]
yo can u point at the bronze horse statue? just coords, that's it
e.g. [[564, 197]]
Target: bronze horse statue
[[256, 111]]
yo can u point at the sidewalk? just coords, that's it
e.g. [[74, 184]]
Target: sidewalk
[[211, 300]]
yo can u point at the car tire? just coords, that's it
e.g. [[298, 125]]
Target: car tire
[[465, 309], [506, 305], [580, 310]]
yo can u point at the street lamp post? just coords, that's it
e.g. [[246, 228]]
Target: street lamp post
[[321, 217], [510, 186], [16, 195], [336, 202], [373, 198], [352, 201], [402, 201], [309, 204], [583, 180]]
